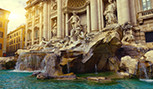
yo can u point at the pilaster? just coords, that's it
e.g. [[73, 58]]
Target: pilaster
[[123, 11], [94, 15], [59, 18], [45, 20], [88, 19], [67, 25]]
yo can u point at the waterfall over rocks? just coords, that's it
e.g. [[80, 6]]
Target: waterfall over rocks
[[30, 61]]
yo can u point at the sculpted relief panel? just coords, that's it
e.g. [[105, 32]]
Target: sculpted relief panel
[[53, 4]]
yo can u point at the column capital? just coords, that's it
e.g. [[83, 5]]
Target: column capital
[[40, 5]]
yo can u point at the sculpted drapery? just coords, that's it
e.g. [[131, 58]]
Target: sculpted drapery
[[109, 13]]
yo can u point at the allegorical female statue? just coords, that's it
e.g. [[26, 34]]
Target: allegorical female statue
[[54, 28], [109, 13]]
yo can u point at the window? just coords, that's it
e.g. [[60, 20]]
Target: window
[[16, 40], [1, 34], [1, 14], [18, 46], [1, 24], [36, 33], [149, 36], [146, 4], [37, 12], [0, 46]]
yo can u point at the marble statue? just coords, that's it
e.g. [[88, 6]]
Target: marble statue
[[109, 13], [74, 21], [76, 26], [128, 34], [43, 42], [54, 29]]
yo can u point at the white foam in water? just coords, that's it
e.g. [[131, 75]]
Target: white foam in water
[[146, 80], [25, 71]]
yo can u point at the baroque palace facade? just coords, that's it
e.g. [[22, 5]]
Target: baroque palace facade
[[15, 40], [4, 14], [53, 19]]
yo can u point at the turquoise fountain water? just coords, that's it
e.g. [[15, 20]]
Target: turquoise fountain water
[[22, 80]]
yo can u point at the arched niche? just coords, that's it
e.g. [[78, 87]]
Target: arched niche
[[76, 3], [29, 34], [80, 8], [36, 32]]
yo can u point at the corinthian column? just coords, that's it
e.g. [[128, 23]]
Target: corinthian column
[[88, 19], [5, 37], [45, 20], [59, 18], [26, 33], [33, 23], [94, 15], [40, 27], [123, 11], [67, 26]]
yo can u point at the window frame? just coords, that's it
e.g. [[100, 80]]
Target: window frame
[[1, 34], [1, 46], [147, 6], [1, 24]]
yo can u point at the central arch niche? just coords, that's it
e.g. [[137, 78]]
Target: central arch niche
[[76, 3]]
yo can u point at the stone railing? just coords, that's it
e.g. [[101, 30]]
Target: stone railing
[[29, 41], [147, 14]]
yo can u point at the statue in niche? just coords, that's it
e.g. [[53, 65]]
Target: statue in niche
[[109, 13], [76, 26], [54, 28]]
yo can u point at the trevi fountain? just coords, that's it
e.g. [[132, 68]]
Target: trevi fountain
[[108, 58]]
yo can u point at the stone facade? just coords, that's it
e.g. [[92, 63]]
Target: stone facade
[[15, 40], [4, 14], [49, 18]]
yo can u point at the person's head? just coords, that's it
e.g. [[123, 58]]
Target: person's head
[[74, 13], [110, 1]]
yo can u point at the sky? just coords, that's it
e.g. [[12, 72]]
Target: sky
[[17, 16]]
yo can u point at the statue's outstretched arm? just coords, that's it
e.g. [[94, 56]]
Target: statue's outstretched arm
[[69, 20]]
